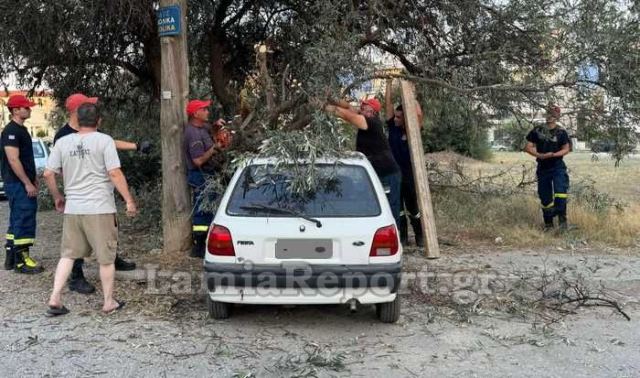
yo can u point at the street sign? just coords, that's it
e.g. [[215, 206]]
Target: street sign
[[168, 21]]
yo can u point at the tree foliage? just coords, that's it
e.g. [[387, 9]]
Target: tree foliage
[[470, 60]]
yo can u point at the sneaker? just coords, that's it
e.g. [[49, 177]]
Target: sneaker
[[26, 265], [81, 285], [124, 265]]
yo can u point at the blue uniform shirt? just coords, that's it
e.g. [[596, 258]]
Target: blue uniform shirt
[[400, 148], [548, 140]]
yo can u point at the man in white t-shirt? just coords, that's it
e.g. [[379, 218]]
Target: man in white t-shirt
[[90, 167]]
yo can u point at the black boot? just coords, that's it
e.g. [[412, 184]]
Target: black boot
[[548, 222], [562, 222], [124, 265], [404, 230], [417, 230], [9, 259], [24, 264], [77, 282], [199, 244]]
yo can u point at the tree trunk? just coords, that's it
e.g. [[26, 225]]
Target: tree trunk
[[176, 202], [218, 76], [152, 54]]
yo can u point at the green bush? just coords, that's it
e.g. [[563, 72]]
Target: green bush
[[453, 123]]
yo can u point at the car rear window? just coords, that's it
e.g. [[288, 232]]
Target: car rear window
[[38, 151], [344, 191]]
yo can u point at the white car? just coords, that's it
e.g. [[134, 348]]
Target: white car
[[40, 153], [336, 245]]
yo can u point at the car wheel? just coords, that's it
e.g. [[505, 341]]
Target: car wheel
[[389, 312], [217, 310]]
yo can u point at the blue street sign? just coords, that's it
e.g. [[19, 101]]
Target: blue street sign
[[168, 20]]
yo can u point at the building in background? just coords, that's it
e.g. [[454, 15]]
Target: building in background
[[39, 125]]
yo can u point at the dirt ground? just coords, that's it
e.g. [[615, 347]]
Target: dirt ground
[[468, 320]]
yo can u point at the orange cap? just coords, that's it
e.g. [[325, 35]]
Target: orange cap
[[195, 105], [74, 101], [374, 103]]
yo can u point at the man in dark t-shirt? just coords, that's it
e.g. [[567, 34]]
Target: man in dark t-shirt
[[548, 144], [20, 186], [372, 142], [77, 281], [202, 152]]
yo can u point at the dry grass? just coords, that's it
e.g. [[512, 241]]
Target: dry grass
[[621, 182], [516, 220]]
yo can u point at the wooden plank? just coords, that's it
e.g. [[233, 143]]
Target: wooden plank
[[176, 200], [427, 219]]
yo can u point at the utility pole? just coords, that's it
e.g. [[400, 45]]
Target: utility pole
[[176, 199], [419, 166]]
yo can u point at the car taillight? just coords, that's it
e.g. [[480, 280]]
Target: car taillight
[[220, 242], [385, 242]]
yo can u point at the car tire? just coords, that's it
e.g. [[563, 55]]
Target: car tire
[[389, 312], [217, 310]]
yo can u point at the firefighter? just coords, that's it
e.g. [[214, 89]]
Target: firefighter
[[399, 144], [549, 144], [21, 187]]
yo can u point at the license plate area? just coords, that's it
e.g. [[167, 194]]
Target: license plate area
[[304, 249]]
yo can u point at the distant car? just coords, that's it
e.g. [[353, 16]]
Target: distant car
[[500, 147], [40, 155], [337, 245]]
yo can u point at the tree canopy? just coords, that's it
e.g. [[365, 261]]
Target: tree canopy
[[473, 59]]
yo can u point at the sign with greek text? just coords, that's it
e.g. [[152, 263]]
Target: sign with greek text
[[168, 21]]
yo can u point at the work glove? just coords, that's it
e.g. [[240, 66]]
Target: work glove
[[144, 147]]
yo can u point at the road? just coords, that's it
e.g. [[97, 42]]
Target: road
[[462, 325]]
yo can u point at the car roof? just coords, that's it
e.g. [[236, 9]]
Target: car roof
[[350, 158]]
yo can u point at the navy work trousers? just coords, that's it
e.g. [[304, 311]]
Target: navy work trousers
[[22, 216], [201, 219], [553, 187]]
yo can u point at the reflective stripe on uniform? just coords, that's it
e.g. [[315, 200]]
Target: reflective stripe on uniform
[[548, 206], [10, 236], [23, 241], [200, 228], [561, 195]]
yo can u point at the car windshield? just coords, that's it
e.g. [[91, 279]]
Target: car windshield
[[38, 151], [344, 191]]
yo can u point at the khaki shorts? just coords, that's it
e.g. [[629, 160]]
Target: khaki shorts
[[82, 234]]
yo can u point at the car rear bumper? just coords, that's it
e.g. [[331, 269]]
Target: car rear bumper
[[231, 294], [302, 283]]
